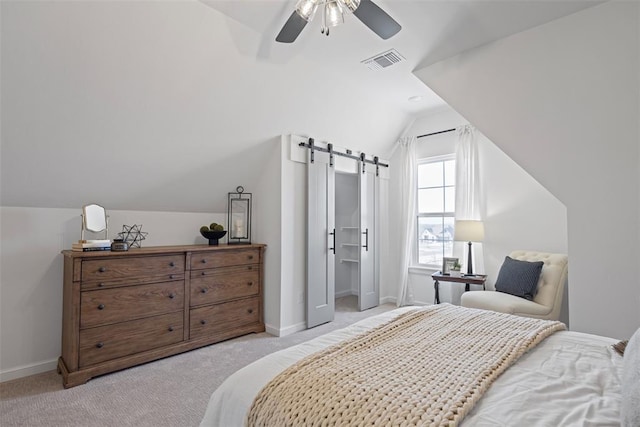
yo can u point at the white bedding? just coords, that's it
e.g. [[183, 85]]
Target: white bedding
[[570, 379]]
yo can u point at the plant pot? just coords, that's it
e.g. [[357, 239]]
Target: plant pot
[[455, 273]]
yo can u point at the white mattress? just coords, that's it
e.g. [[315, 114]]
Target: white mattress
[[570, 379]]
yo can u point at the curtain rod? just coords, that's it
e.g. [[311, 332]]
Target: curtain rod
[[311, 145], [436, 133]]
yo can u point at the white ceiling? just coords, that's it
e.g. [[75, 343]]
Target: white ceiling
[[432, 30], [175, 103]]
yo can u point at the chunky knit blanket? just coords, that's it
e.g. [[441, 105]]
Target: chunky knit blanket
[[427, 367]]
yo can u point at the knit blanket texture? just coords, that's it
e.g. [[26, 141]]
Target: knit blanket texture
[[426, 367]]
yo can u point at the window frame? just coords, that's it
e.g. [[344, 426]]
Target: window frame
[[418, 215]]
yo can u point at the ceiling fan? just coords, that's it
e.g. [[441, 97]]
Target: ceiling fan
[[366, 11]]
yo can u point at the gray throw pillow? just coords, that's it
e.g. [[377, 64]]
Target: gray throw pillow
[[519, 278]]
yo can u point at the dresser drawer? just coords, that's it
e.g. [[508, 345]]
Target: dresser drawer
[[106, 269], [129, 281], [106, 306], [209, 320], [225, 258], [217, 285], [110, 342]]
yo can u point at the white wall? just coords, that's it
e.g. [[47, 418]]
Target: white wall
[[563, 100], [31, 274], [517, 211], [293, 265], [268, 229]]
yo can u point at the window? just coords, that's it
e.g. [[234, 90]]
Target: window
[[436, 210]]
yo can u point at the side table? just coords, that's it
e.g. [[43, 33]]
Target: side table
[[474, 279]]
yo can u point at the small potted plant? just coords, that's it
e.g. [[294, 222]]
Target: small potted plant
[[455, 269]]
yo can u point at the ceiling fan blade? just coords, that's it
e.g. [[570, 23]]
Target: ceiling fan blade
[[291, 29], [376, 19]]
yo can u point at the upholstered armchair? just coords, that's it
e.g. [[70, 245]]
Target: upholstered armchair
[[546, 303]]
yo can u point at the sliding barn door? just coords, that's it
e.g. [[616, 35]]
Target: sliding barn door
[[368, 286], [320, 241]]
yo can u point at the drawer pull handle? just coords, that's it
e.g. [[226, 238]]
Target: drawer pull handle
[[249, 268], [250, 257], [171, 276], [101, 307], [250, 310], [172, 264], [203, 273], [100, 285], [99, 345], [102, 269], [170, 328], [204, 261], [203, 290], [172, 295], [204, 322], [250, 283]]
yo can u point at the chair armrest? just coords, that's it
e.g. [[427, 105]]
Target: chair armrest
[[504, 303]]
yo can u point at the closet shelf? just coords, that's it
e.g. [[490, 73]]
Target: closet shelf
[[348, 260]]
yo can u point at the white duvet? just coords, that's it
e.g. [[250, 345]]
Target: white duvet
[[570, 379]]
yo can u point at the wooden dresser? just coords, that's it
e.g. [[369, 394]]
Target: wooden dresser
[[121, 309]]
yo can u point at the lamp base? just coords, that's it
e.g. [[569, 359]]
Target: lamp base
[[469, 263]]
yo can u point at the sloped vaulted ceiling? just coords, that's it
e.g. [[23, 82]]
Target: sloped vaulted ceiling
[[167, 106]]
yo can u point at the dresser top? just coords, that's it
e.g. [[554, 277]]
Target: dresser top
[[151, 250]]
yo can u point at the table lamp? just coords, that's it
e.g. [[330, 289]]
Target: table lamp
[[469, 231]]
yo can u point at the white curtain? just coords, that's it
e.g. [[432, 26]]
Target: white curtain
[[407, 226], [468, 190], [467, 174]]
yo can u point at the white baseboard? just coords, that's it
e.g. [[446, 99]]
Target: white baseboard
[[281, 332], [393, 300], [28, 370], [388, 300], [271, 330], [345, 293]]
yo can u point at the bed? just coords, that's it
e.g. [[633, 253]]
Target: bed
[[565, 379]]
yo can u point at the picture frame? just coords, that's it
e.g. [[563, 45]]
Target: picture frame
[[447, 263]]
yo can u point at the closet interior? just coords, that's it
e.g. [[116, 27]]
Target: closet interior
[[347, 236]]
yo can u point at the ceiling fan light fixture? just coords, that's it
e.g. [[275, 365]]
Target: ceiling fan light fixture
[[333, 14], [350, 5], [370, 14], [307, 8]]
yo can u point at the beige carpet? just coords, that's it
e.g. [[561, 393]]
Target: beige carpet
[[169, 392]]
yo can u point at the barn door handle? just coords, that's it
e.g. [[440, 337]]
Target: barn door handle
[[333, 233], [366, 239]]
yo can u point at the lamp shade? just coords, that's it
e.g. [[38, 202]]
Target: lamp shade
[[469, 231]]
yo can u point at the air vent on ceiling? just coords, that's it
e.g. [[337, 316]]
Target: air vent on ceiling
[[383, 60]]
